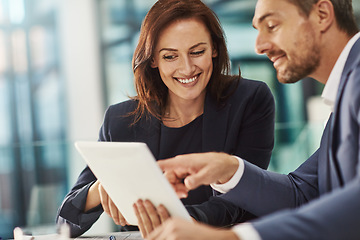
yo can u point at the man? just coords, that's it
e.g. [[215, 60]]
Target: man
[[321, 199]]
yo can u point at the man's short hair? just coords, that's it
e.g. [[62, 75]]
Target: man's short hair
[[343, 9]]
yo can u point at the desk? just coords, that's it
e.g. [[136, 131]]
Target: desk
[[135, 235]]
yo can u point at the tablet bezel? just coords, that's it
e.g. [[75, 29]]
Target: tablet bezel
[[128, 172]]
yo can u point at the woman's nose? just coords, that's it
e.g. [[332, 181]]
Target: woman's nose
[[187, 66]]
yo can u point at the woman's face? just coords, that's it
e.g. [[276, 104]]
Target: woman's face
[[183, 55]]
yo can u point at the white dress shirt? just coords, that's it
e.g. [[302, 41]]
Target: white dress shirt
[[246, 231], [332, 85]]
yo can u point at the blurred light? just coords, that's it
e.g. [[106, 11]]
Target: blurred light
[[18, 41], [3, 52], [38, 46], [17, 11], [2, 12]]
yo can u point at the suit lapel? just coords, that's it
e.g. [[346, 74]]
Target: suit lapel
[[324, 162], [351, 60], [335, 166], [214, 125]]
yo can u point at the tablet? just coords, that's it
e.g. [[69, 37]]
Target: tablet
[[128, 172]]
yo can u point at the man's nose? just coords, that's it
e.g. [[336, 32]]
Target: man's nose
[[262, 44]]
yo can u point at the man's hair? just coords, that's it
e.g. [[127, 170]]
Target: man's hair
[[343, 9]]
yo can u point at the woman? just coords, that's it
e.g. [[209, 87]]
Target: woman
[[185, 103]]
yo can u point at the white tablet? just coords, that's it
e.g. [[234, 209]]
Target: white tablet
[[128, 172]]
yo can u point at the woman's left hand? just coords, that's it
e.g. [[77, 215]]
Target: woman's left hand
[[149, 217]]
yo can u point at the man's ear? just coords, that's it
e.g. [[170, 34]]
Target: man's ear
[[153, 63], [325, 14]]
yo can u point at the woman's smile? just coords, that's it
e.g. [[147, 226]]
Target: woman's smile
[[188, 80]]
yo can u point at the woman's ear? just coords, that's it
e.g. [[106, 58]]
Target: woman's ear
[[153, 63], [214, 53]]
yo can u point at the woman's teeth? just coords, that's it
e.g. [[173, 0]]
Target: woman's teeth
[[189, 80]]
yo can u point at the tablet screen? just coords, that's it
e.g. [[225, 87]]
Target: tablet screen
[[128, 172]]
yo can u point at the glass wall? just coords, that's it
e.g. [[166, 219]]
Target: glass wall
[[32, 149]]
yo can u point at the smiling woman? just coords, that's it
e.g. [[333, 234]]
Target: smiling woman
[[185, 103], [148, 80], [183, 56]]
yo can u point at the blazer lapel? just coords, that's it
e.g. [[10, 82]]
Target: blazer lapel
[[214, 125], [335, 166], [353, 55], [148, 131], [323, 160]]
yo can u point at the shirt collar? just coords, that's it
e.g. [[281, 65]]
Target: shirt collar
[[332, 85]]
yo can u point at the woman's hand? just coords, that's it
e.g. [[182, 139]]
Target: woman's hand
[[149, 217], [110, 208], [93, 197], [97, 195]]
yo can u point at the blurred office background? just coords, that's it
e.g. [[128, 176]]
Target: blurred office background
[[62, 62]]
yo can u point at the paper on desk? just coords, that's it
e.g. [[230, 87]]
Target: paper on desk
[[64, 234]]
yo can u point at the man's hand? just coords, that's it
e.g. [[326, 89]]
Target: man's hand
[[180, 229], [198, 169]]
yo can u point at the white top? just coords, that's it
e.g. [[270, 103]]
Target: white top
[[332, 85], [246, 231]]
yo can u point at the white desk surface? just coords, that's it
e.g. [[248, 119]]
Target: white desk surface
[[135, 235]]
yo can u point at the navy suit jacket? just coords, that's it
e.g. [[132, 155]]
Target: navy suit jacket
[[242, 125], [326, 186]]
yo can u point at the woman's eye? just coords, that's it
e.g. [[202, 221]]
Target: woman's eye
[[196, 53], [168, 57]]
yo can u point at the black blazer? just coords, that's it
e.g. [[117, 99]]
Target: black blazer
[[242, 125]]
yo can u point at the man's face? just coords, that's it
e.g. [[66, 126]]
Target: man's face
[[288, 38]]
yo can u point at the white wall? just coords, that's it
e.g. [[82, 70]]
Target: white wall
[[80, 63]]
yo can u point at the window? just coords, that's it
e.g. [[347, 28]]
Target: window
[[32, 140]]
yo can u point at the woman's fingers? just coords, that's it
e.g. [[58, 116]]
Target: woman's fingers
[[140, 222], [104, 199], [145, 218], [114, 213], [163, 213], [110, 208], [152, 213], [148, 216]]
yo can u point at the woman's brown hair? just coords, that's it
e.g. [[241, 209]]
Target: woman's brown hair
[[151, 91]]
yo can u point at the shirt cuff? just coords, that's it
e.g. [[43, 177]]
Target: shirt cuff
[[226, 187], [246, 231]]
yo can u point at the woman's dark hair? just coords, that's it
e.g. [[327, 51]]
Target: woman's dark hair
[[152, 93]]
